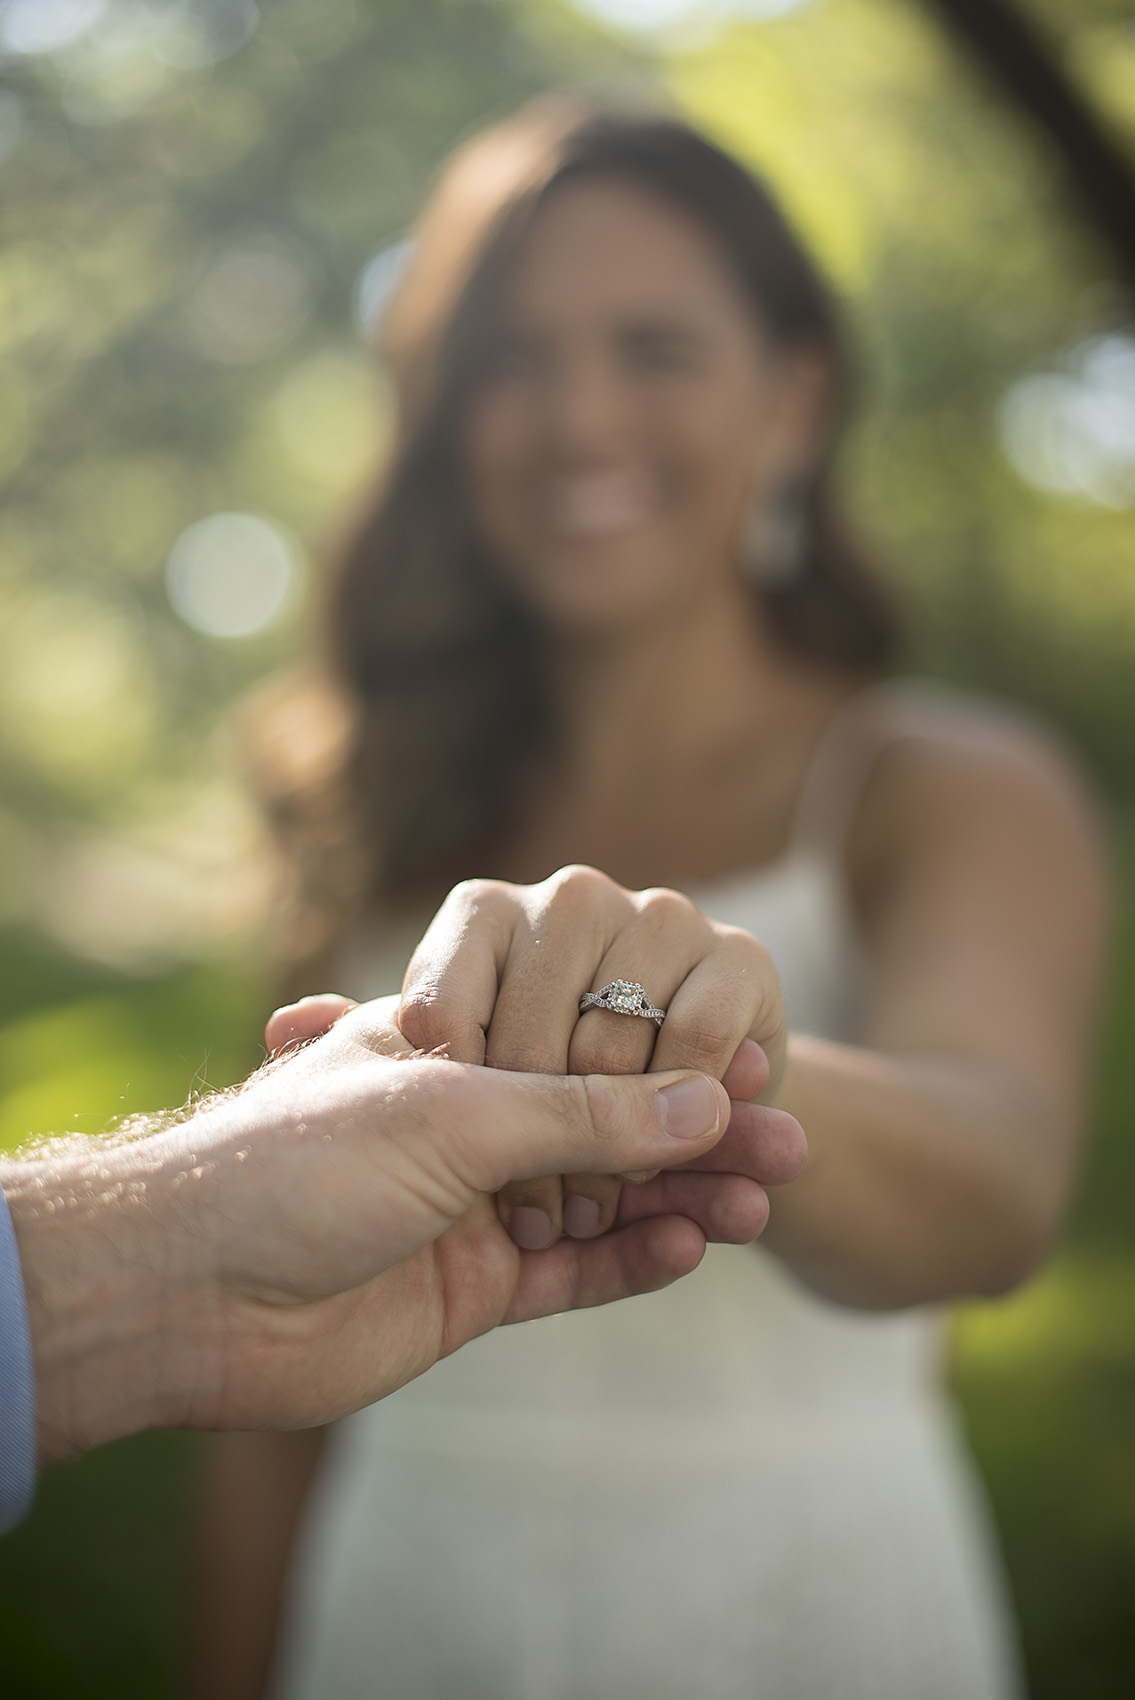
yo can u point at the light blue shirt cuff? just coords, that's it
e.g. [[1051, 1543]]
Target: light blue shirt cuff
[[17, 1383]]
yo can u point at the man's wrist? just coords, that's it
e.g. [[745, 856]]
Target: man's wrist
[[104, 1288]]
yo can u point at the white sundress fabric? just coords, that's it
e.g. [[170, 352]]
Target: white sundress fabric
[[731, 1489]]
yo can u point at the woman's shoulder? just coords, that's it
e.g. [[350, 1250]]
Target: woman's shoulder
[[950, 735], [952, 762]]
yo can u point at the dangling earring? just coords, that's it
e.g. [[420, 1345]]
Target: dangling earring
[[773, 543]]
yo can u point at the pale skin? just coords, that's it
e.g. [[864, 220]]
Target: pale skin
[[637, 416]]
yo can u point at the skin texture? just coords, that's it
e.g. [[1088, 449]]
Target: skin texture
[[636, 424], [308, 1244]]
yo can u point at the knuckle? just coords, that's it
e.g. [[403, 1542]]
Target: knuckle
[[664, 901], [667, 912], [753, 968], [749, 950], [599, 1109], [428, 1020], [477, 893], [579, 884]]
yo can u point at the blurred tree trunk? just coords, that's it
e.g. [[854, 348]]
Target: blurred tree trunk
[[1012, 49]]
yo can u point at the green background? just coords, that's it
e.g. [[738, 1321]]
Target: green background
[[133, 892]]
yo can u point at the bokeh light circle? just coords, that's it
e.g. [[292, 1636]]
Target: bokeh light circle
[[232, 574], [1072, 432], [649, 16], [45, 26]]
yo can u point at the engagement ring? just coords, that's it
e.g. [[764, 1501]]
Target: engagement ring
[[623, 997]]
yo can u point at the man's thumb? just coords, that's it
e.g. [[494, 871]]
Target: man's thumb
[[532, 1125]]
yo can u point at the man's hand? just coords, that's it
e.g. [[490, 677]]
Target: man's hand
[[308, 1244], [499, 975]]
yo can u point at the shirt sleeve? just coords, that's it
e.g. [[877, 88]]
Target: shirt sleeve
[[17, 1383]]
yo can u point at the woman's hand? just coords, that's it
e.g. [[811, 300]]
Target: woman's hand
[[498, 978]]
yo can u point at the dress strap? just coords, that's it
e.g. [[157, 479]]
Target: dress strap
[[845, 757]]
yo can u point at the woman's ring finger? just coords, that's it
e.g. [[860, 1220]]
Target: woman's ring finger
[[623, 997]]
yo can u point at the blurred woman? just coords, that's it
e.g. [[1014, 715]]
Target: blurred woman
[[603, 610]]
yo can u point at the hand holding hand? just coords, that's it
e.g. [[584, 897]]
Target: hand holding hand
[[498, 979], [307, 1244]]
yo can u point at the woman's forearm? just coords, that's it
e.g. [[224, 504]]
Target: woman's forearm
[[928, 1178]]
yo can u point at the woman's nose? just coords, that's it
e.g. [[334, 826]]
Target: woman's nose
[[586, 406]]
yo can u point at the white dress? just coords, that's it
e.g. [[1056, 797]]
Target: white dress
[[731, 1489]]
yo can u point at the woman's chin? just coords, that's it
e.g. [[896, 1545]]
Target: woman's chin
[[605, 604]]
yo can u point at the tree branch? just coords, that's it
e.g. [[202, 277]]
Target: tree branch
[[1011, 49]]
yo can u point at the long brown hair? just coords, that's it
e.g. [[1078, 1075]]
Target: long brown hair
[[437, 670]]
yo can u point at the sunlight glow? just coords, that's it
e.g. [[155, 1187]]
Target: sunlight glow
[[1072, 432], [230, 575], [645, 16], [45, 26]]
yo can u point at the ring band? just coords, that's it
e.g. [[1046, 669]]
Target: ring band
[[623, 997]]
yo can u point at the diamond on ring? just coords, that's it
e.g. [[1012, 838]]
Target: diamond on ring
[[623, 997]]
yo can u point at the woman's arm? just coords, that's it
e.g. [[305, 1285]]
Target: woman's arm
[[253, 1491], [942, 1151], [942, 1148]]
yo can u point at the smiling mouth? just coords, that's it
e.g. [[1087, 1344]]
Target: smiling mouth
[[599, 506]]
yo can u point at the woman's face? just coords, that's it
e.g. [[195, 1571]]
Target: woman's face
[[632, 415]]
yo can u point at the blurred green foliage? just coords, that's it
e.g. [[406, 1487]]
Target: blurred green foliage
[[92, 1587], [964, 267], [178, 253], [1047, 1383], [180, 246]]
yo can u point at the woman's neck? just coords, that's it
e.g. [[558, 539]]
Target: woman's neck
[[665, 700]]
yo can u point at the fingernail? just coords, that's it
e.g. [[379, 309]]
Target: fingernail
[[581, 1216], [531, 1228], [688, 1109]]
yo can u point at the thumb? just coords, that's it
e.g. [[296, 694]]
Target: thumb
[[520, 1126]]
